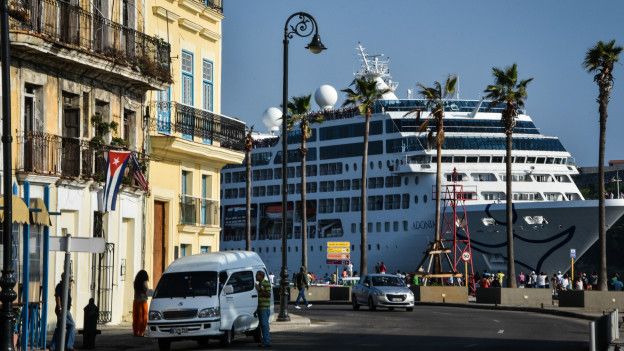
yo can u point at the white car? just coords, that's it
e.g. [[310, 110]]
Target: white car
[[206, 296], [382, 290]]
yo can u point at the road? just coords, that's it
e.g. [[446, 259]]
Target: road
[[338, 327]]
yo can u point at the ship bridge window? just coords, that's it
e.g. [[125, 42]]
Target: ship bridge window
[[342, 204], [342, 185], [562, 178], [228, 177], [459, 177], [533, 220], [543, 178], [484, 159], [375, 203], [375, 183], [484, 177], [472, 159], [356, 184], [326, 205], [530, 160], [553, 196], [356, 204], [517, 177], [392, 202], [540, 160], [527, 196], [493, 196], [520, 159], [393, 181], [326, 186], [459, 159], [497, 159], [573, 196], [550, 160], [445, 159]]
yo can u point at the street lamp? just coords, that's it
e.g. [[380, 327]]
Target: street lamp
[[305, 27], [7, 282]]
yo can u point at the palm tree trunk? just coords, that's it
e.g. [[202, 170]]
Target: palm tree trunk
[[363, 200], [304, 207], [603, 100], [248, 201], [437, 263], [511, 266]]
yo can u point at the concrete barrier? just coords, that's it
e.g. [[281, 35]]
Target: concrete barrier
[[603, 331], [446, 294], [515, 297], [592, 300], [323, 293]]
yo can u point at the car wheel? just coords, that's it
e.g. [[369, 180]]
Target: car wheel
[[409, 309], [164, 344], [356, 305], [371, 304], [227, 338]]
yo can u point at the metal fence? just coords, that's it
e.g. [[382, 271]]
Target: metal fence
[[71, 25], [198, 211]]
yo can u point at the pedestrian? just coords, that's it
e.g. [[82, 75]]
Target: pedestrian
[[70, 324], [334, 278], [303, 282], [616, 283], [500, 276], [521, 279], [593, 280], [485, 282], [533, 279], [541, 280], [565, 283], [263, 286], [345, 273], [350, 269], [382, 268], [139, 306], [377, 267], [579, 284]]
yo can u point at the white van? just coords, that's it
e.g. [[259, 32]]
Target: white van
[[207, 296]]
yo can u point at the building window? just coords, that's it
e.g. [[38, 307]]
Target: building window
[[187, 78], [186, 182], [185, 250], [129, 128], [207, 71], [207, 249]]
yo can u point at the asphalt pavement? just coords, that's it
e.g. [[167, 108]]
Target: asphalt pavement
[[338, 327]]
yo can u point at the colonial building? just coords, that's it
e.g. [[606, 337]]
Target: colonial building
[[79, 73], [190, 141]]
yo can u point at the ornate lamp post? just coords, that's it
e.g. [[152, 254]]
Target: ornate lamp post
[[305, 27], [7, 282]]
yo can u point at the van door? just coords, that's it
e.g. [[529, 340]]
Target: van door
[[237, 301]]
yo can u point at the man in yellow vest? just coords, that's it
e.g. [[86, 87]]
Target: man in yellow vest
[[264, 307]]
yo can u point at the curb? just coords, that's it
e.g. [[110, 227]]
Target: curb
[[554, 312], [296, 322]]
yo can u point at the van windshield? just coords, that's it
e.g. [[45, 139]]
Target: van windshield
[[186, 284]]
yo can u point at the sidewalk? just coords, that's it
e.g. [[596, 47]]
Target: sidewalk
[[119, 337]]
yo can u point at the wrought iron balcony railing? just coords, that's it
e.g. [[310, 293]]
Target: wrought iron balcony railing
[[54, 155], [216, 5], [192, 122], [72, 26], [198, 211]]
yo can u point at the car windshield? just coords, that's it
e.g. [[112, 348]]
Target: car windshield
[[387, 281], [186, 284]]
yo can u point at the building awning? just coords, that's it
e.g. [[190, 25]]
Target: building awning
[[41, 215], [20, 210]]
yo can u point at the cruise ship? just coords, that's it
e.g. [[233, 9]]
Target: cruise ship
[[550, 215]]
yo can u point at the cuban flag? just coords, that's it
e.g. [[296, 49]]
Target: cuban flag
[[117, 161]]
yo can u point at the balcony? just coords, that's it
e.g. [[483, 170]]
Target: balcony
[[53, 155], [198, 211], [69, 38], [206, 126]]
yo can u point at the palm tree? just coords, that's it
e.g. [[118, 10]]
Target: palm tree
[[510, 92], [364, 95], [434, 97], [600, 60], [299, 108], [248, 148]]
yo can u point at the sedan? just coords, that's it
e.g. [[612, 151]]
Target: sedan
[[382, 290]]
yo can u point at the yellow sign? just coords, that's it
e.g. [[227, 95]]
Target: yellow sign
[[338, 250], [338, 256], [338, 244]]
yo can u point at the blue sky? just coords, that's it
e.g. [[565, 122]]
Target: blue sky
[[427, 40]]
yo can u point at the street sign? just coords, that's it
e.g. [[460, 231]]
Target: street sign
[[572, 253], [466, 256], [338, 256], [93, 245], [338, 262], [338, 250], [338, 244]]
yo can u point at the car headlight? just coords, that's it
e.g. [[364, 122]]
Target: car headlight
[[209, 312], [155, 316]]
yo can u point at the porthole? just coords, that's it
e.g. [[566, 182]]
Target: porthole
[[355, 167], [372, 165], [425, 198], [406, 181], [379, 164], [416, 180], [416, 199], [346, 167]]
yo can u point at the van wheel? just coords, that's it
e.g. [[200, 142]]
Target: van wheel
[[227, 338], [356, 305], [371, 304], [257, 334], [164, 344]]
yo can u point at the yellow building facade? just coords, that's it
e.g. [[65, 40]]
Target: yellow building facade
[[79, 74], [190, 141]]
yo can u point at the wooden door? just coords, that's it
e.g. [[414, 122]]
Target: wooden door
[[159, 241]]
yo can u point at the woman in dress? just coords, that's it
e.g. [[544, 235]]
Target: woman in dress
[[139, 308]]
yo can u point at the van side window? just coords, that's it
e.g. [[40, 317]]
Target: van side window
[[222, 280], [242, 281]]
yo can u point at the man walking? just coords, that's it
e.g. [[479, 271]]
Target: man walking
[[302, 284], [70, 324], [264, 307]]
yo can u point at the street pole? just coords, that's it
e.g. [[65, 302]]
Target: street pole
[[304, 28], [7, 281], [66, 280]]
